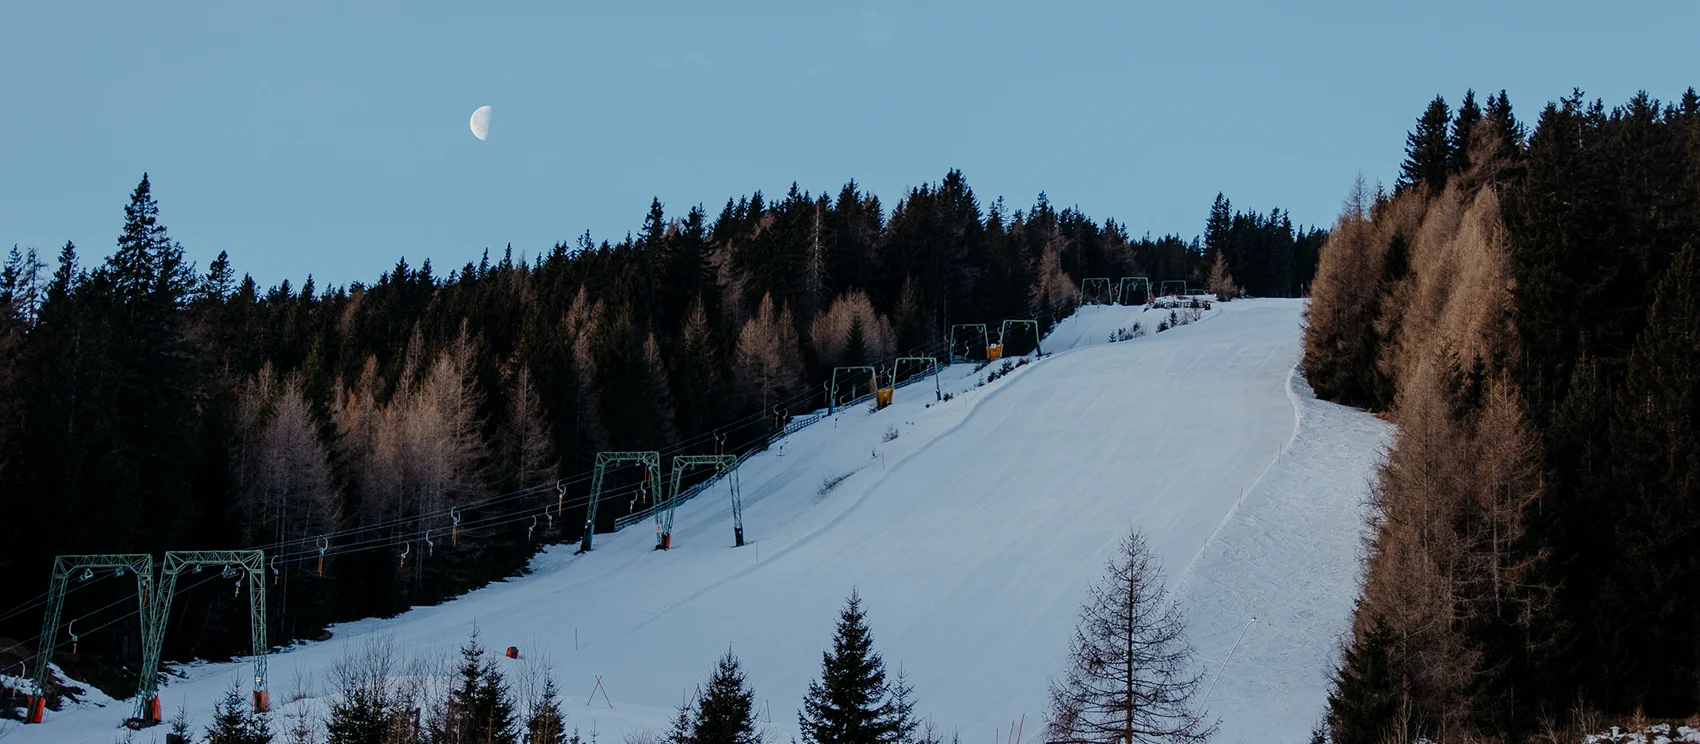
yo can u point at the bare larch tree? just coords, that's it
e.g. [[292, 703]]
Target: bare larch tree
[[1130, 675]]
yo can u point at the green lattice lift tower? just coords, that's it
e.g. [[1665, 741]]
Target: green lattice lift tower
[[1003, 334], [683, 463], [832, 392], [248, 565], [932, 367], [1130, 282], [651, 461], [1098, 288], [985, 338], [83, 567]]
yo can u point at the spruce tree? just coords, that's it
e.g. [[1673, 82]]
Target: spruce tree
[[856, 346], [235, 723], [1427, 149], [1469, 114], [1217, 229], [479, 709], [359, 716], [726, 712], [850, 703], [684, 726], [1507, 133], [908, 727], [1364, 703], [1657, 537], [547, 725]]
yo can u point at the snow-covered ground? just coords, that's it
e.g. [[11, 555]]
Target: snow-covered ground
[[972, 537]]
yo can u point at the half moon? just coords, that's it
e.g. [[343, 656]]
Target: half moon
[[481, 122]]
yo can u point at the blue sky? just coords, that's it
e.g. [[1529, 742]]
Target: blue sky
[[331, 138]]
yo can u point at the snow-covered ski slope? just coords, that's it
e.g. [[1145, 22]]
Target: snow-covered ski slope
[[972, 537]]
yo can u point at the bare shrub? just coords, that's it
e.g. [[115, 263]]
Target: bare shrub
[[890, 434], [831, 481]]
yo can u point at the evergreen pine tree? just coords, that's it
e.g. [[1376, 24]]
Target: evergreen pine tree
[[235, 723], [1427, 149], [360, 715], [908, 727], [218, 282], [726, 711], [850, 703], [856, 346], [1364, 704], [479, 709], [1657, 561], [1217, 229], [1507, 133], [1469, 114], [547, 725], [684, 726]]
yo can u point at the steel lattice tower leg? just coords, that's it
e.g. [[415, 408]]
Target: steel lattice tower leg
[[253, 562], [64, 567], [650, 460], [683, 463]]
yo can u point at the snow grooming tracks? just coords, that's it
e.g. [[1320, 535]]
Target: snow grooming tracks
[[1289, 555]]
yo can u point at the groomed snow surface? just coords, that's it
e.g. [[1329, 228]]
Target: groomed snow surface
[[972, 537]]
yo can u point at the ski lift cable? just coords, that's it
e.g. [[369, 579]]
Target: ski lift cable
[[109, 623]]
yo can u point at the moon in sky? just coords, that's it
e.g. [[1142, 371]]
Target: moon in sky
[[481, 122]]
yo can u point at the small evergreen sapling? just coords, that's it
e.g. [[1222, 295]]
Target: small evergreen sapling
[[547, 725], [479, 710], [235, 723]]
